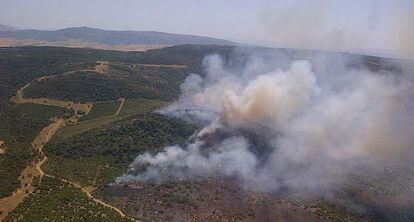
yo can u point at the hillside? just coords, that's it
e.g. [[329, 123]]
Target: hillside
[[6, 28], [103, 39], [96, 108]]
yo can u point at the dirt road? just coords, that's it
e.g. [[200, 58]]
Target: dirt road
[[2, 147], [19, 99], [102, 67], [120, 107], [90, 196], [34, 169], [174, 66]]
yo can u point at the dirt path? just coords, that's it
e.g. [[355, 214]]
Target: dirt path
[[2, 147], [44, 136], [120, 106], [164, 66], [87, 191], [19, 99], [96, 200], [32, 171], [102, 67]]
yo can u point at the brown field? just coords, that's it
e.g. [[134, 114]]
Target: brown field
[[73, 43]]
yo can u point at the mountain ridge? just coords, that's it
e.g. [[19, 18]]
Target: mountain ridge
[[112, 37], [7, 28]]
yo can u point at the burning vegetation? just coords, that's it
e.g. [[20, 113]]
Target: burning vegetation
[[286, 128]]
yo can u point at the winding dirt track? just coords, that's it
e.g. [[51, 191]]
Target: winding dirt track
[[90, 196], [34, 169], [174, 66], [120, 107]]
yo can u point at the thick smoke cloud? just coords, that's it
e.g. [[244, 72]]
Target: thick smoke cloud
[[317, 122]]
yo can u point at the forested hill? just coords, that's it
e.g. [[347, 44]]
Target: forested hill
[[111, 37]]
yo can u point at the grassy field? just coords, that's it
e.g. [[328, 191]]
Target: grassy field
[[102, 109], [137, 106], [59, 201], [132, 107]]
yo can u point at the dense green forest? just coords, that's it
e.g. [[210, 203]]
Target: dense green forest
[[96, 157], [20, 65], [121, 81]]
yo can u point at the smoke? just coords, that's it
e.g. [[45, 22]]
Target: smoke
[[403, 32], [289, 127], [378, 27], [273, 97], [288, 22]]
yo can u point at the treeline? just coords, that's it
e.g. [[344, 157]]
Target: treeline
[[20, 65], [113, 148], [122, 80]]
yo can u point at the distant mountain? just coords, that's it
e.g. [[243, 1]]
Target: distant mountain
[[6, 28], [109, 37]]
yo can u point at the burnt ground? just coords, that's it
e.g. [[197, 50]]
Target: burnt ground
[[219, 200], [383, 194]]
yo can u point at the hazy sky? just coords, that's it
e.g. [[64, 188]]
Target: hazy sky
[[350, 24]]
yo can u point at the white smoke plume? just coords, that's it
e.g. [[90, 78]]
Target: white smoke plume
[[316, 123], [381, 27]]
